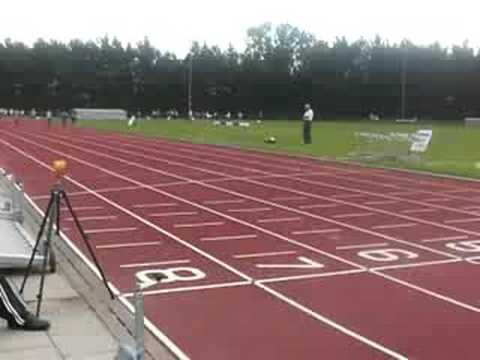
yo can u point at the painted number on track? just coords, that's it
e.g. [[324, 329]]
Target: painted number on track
[[149, 278], [305, 263], [387, 255], [465, 246]]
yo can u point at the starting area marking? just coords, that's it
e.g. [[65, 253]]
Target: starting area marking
[[146, 206], [213, 223], [126, 245], [233, 237], [277, 253]]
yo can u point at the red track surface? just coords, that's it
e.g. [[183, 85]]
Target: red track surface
[[269, 256]]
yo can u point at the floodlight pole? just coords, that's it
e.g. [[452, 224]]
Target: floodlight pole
[[403, 82], [190, 70]]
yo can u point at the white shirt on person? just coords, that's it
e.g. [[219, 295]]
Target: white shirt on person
[[308, 115]]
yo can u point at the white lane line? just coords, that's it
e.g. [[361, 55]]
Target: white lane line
[[233, 237], [80, 208], [217, 202], [314, 206], [259, 209], [109, 230], [142, 206], [351, 215], [381, 202], [89, 218], [213, 223], [428, 292], [318, 231], [288, 198], [158, 263], [273, 253], [416, 264], [460, 221], [294, 218], [446, 238], [126, 245], [333, 324], [178, 213], [394, 226], [348, 247], [417, 211]]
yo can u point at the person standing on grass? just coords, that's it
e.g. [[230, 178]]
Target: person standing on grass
[[307, 124]]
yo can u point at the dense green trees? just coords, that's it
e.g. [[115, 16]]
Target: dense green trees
[[281, 68]]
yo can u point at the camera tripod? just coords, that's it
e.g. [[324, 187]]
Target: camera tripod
[[51, 223]]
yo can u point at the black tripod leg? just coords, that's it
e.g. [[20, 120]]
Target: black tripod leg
[[37, 242], [87, 243], [50, 232]]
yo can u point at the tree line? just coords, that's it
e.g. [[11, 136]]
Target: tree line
[[281, 68]]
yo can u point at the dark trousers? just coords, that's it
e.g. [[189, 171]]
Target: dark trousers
[[12, 306], [307, 132]]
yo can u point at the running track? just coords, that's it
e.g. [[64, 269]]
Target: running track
[[269, 256]]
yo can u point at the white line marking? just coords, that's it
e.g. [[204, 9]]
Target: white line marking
[[314, 206], [124, 245], [402, 193], [310, 276], [194, 288], [347, 196], [250, 210], [288, 198], [294, 218], [446, 238], [319, 231], [99, 231], [415, 211], [141, 206], [80, 208], [178, 213], [213, 223], [331, 323], [393, 226], [233, 237], [158, 263], [459, 221], [348, 247], [91, 218], [217, 202], [417, 264], [350, 215], [437, 200], [274, 253], [476, 207], [428, 292], [381, 202]]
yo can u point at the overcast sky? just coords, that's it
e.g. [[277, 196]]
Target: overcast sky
[[173, 24]]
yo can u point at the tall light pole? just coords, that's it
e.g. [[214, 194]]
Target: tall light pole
[[190, 70], [403, 81]]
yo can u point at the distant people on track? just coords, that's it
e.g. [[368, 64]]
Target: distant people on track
[[307, 124], [132, 122], [14, 310], [49, 118]]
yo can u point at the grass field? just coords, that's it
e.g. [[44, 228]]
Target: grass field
[[454, 150]]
